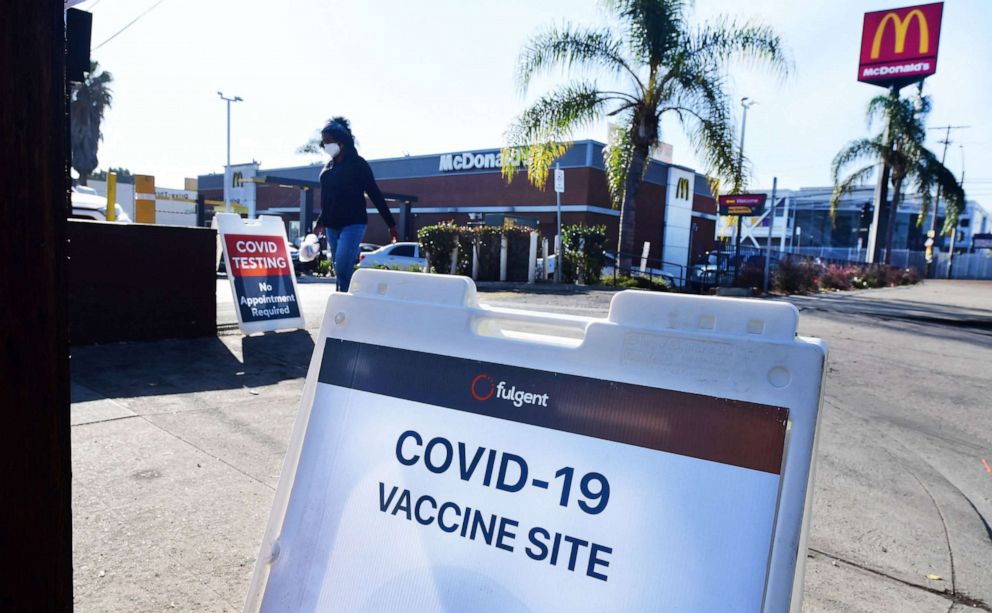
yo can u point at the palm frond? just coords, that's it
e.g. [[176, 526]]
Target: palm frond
[[855, 151], [722, 40], [846, 186], [616, 158], [652, 27], [702, 106], [929, 174], [88, 103], [541, 131], [572, 47]]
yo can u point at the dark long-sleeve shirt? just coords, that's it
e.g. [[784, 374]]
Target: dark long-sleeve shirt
[[343, 185]]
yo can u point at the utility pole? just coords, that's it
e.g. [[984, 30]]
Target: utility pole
[[936, 204], [954, 230], [746, 103], [227, 168], [559, 256]]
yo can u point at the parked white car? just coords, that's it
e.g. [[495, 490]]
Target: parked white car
[[86, 204], [398, 255]]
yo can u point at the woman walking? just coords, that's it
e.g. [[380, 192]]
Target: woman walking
[[344, 182]]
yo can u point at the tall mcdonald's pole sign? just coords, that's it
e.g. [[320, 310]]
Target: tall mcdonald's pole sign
[[899, 46]]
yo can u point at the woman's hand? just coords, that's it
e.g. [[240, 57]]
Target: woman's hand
[[394, 236]]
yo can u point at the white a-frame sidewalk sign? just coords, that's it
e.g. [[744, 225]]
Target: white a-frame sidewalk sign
[[261, 273], [453, 457]]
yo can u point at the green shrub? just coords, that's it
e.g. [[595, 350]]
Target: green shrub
[[488, 242], [584, 259], [439, 242], [795, 276], [874, 276], [639, 282], [909, 276], [466, 242], [324, 267], [751, 276], [397, 267], [518, 252], [838, 277]]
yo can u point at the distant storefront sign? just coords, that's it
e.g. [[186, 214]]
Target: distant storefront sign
[[743, 205], [899, 46], [485, 160]]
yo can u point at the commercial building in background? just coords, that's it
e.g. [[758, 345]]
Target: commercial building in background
[[675, 212], [803, 223], [173, 206]]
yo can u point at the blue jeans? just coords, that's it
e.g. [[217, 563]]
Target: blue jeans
[[343, 245]]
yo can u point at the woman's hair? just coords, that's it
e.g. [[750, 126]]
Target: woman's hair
[[340, 130]]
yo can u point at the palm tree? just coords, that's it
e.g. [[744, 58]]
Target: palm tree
[[89, 101], [900, 147], [664, 65]]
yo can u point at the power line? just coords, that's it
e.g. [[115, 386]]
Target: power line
[[129, 24]]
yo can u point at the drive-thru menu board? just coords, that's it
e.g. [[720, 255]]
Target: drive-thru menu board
[[460, 467], [260, 269]]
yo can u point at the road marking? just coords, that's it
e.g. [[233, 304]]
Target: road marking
[[985, 463]]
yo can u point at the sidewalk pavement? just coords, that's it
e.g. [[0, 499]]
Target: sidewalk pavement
[[177, 448]]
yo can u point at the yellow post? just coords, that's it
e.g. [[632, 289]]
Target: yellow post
[[144, 199], [111, 213]]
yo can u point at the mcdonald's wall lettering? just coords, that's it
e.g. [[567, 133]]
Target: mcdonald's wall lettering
[[899, 46], [682, 189]]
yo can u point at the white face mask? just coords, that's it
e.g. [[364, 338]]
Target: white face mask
[[332, 149]]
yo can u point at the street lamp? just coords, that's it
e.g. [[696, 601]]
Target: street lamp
[[746, 103], [227, 168]]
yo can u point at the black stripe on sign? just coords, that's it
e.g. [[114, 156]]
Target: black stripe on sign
[[734, 432]]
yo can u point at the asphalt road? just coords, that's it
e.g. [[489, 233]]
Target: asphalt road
[[177, 448]]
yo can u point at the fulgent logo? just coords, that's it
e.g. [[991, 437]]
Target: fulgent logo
[[484, 387], [901, 26], [682, 189]]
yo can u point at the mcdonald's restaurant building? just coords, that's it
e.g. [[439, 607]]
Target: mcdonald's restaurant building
[[675, 212]]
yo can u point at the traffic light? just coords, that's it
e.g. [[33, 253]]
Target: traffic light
[[864, 221]]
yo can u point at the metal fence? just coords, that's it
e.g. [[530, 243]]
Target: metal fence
[[964, 266]]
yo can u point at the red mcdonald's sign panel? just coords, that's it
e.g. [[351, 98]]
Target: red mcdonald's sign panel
[[899, 46]]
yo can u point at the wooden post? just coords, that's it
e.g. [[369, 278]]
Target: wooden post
[[36, 520]]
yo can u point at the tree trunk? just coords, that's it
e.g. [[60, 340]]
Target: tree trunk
[[632, 185], [83, 178], [891, 224]]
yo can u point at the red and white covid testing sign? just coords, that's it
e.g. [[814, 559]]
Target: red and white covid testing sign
[[260, 269], [655, 460]]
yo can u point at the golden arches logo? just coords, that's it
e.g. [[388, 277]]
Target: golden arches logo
[[682, 189], [901, 25]]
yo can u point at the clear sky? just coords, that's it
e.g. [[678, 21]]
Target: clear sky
[[438, 75]]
